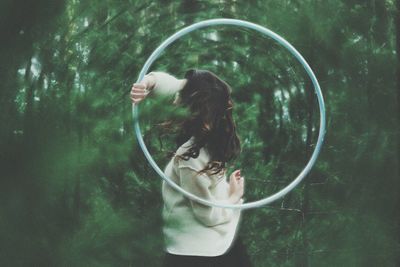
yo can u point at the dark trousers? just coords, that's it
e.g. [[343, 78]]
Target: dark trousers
[[236, 256]]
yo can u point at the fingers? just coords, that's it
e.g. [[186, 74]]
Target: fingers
[[138, 95], [237, 183], [236, 178], [237, 174], [138, 92], [241, 182], [139, 85], [137, 98]]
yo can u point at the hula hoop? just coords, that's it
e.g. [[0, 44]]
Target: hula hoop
[[293, 51]]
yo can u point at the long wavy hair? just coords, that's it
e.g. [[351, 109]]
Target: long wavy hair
[[208, 99]]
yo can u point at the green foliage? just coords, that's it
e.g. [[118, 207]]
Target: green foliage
[[76, 189]]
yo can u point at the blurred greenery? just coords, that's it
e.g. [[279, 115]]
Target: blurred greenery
[[76, 189]]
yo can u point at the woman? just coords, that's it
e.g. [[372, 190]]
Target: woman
[[197, 234]]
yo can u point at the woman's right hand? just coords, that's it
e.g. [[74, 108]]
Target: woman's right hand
[[236, 186], [140, 90]]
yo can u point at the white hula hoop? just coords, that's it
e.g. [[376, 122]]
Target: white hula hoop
[[293, 51]]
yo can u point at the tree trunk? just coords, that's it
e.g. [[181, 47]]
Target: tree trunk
[[77, 201], [306, 198], [305, 206]]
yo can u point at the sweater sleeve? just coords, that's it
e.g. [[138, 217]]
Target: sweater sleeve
[[199, 185], [166, 84]]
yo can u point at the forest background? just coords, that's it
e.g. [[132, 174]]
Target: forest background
[[75, 188]]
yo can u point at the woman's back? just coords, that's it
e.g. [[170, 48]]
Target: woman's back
[[196, 234], [191, 228]]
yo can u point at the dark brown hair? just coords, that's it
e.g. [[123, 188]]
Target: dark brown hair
[[208, 99]]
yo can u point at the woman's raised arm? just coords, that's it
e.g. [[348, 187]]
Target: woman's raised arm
[[161, 83], [164, 83]]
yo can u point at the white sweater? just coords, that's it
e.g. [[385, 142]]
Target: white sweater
[[191, 228], [166, 84]]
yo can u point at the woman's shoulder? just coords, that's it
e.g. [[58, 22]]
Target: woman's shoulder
[[198, 163], [195, 163]]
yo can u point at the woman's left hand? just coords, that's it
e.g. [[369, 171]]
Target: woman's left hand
[[236, 184]]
